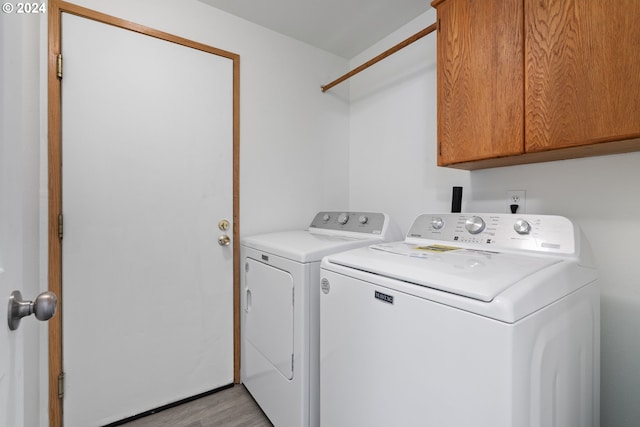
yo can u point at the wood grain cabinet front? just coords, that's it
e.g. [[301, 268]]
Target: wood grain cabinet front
[[524, 81]]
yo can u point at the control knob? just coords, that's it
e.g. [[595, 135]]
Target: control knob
[[343, 218], [437, 223], [363, 219], [326, 217], [474, 225], [522, 227]]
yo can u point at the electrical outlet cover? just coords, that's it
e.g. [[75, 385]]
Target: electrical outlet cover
[[516, 197]]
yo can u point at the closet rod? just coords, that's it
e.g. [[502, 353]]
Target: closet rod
[[380, 57]]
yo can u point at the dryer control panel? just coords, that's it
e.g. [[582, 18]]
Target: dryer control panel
[[355, 222], [542, 233]]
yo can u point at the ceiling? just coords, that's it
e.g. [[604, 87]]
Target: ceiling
[[343, 27]]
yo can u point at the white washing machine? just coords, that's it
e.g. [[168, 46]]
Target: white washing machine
[[483, 320], [280, 320]]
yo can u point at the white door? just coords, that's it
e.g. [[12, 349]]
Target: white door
[[19, 192], [147, 290], [11, 342]]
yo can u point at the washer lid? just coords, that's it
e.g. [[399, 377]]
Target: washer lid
[[477, 274], [303, 246]]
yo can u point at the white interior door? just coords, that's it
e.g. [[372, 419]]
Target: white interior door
[[19, 191], [11, 342], [147, 291]]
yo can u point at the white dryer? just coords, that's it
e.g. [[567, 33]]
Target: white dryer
[[484, 320], [280, 318]]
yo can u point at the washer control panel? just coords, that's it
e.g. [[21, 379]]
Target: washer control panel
[[358, 222], [543, 233]]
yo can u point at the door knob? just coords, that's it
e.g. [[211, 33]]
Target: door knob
[[44, 307], [224, 240]]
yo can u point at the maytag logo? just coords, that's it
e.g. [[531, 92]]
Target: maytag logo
[[384, 297], [325, 285]]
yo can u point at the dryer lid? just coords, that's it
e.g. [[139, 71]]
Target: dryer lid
[[477, 274], [302, 246]]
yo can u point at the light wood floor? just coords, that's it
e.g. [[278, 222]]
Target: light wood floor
[[233, 407]]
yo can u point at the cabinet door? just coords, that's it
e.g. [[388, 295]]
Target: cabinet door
[[480, 79], [582, 66]]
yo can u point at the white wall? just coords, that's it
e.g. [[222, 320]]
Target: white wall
[[393, 167], [601, 194], [393, 132], [289, 128]]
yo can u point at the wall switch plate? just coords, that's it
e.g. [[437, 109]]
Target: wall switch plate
[[519, 198]]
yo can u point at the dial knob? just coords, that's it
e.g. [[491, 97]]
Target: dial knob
[[437, 223], [474, 225], [522, 227], [343, 218], [326, 217], [363, 219]]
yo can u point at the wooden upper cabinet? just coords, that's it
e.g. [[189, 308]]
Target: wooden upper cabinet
[[582, 71], [480, 79], [523, 81]]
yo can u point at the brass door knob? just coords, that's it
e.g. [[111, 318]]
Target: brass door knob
[[224, 240]]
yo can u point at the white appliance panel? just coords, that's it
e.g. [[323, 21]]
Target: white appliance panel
[[296, 254], [413, 362], [477, 274], [495, 325], [285, 401], [417, 350], [269, 304], [547, 234], [266, 383], [302, 246]]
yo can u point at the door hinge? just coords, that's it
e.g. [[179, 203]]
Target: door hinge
[[59, 65], [439, 27], [61, 385], [291, 362], [60, 227]]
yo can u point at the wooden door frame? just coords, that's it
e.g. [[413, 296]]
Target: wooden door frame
[[56, 7]]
